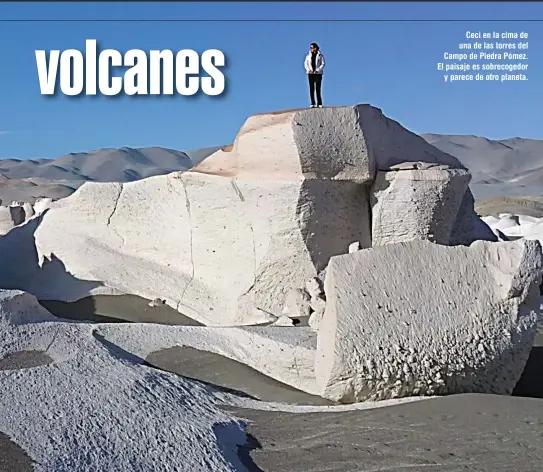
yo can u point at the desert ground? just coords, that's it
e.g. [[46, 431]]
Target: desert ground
[[320, 303]]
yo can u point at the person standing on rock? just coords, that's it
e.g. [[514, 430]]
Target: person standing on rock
[[314, 66]]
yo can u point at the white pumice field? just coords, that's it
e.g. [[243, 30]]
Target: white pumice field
[[322, 295]]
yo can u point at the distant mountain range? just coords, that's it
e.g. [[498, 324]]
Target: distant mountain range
[[25, 180], [512, 167]]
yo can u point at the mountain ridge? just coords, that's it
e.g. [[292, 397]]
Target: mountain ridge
[[505, 167]]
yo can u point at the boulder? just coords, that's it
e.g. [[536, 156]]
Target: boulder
[[318, 306], [353, 247], [41, 204], [10, 217], [417, 318], [29, 210], [419, 201], [297, 303], [314, 287], [283, 321]]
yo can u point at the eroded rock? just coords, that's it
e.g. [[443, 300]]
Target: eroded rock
[[226, 241], [418, 318], [420, 201], [10, 217], [297, 303]]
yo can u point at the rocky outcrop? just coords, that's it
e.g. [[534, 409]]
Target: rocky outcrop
[[42, 204], [418, 318], [418, 201], [19, 308], [228, 242], [10, 216], [342, 195], [466, 225], [18, 212]]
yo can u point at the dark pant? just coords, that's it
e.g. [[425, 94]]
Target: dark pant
[[315, 81]]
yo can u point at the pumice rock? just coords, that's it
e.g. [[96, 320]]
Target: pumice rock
[[314, 287], [41, 204], [318, 305], [10, 217], [19, 308], [297, 303], [353, 247], [418, 318], [156, 302], [464, 230], [418, 201], [29, 210], [283, 321], [224, 242], [317, 302]]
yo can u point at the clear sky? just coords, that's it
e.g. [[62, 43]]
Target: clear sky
[[391, 65]]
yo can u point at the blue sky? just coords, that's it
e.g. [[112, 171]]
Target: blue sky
[[390, 65]]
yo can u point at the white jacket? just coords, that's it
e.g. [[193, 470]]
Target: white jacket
[[319, 63]]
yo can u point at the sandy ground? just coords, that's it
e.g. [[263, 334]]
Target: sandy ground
[[529, 206], [457, 433], [229, 375], [122, 308], [117, 308], [12, 457], [472, 432], [24, 360]]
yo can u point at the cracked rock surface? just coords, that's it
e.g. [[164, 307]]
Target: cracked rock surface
[[226, 242]]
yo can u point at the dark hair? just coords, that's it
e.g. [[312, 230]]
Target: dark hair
[[315, 45]]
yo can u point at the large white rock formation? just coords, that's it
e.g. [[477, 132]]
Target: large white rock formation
[[420, 318], [227, 241]]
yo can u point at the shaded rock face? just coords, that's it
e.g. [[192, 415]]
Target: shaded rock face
[[330, 216], [464, 230], [419, 318]]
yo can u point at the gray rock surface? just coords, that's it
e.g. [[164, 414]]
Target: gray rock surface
[[418, 318], [420, 201]]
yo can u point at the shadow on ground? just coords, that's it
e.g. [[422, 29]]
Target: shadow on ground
[[24, 360], [12, 457], [117, 309], [530, 383], [228, 375]]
